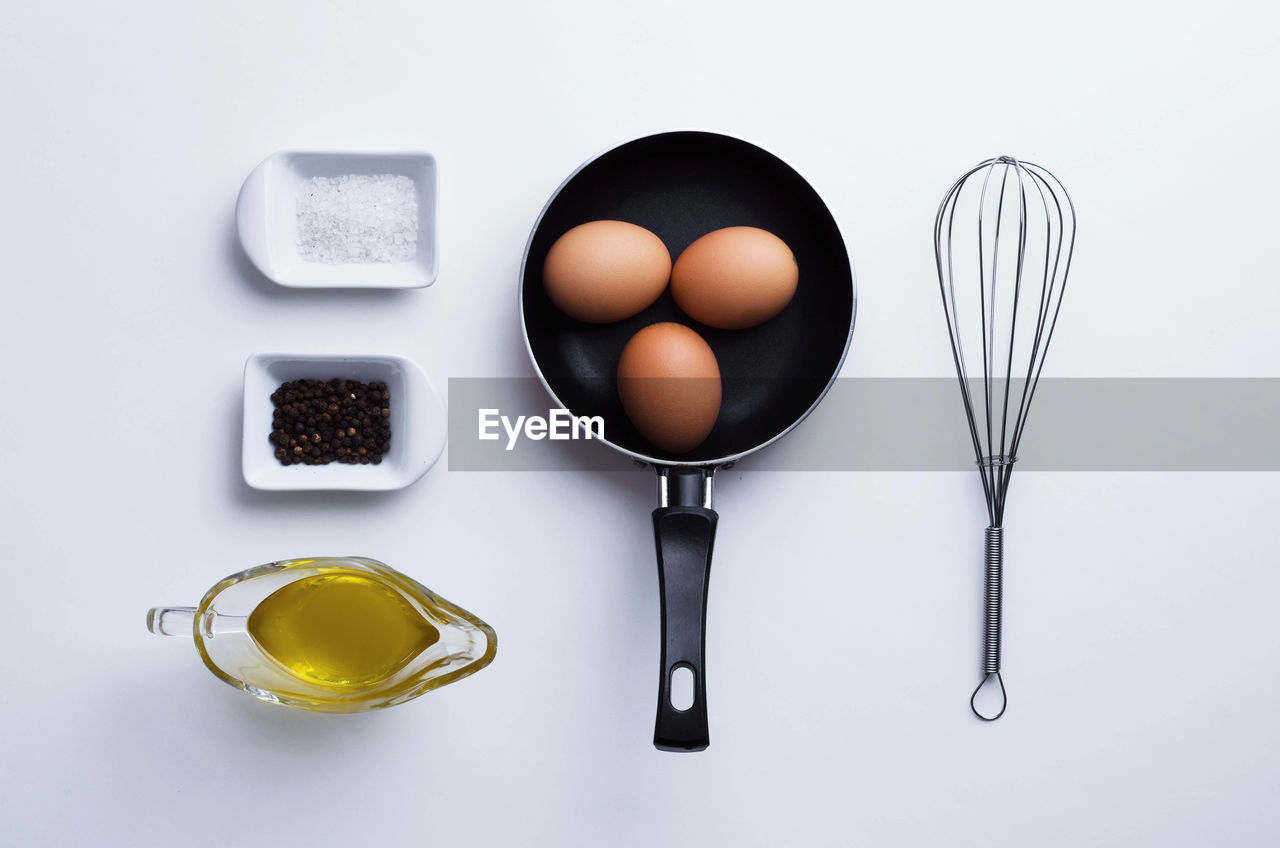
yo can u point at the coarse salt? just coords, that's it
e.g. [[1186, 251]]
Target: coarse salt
[[358, 219]]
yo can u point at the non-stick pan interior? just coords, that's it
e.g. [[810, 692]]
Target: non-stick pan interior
[[681, 186]]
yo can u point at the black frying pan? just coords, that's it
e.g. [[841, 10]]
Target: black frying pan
[[682, 185]]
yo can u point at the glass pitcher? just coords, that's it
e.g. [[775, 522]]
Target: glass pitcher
[[330, 634]]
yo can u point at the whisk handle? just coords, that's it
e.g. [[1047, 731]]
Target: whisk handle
[[992, 597]]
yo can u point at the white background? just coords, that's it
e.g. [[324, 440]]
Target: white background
[[1141, 650]]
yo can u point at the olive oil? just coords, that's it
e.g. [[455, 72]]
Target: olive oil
[[340, 628]]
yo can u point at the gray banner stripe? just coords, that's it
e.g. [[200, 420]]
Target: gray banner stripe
[[919, 425]]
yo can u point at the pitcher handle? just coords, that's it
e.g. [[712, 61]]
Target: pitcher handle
[[172, 621]]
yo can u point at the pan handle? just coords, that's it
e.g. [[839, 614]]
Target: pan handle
[[684, 529]]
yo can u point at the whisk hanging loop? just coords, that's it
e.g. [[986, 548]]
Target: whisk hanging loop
[[1004, 698]]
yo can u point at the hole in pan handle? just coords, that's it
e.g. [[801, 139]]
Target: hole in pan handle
[[684, 529], [682, 687]]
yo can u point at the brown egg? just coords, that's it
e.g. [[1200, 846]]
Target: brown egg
[[734, 278], [605, 271], [669, 383]]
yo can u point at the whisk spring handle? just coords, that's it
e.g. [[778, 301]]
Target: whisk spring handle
[[992, 598]]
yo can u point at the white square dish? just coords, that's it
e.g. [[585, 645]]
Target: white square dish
[[418, 422], [267, 220]]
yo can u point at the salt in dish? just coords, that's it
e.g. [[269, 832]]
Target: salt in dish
[[268, 220]]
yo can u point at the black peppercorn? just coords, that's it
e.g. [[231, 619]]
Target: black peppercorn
[[316, 422]]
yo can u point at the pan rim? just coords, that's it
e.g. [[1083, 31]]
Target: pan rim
[[729, 458]]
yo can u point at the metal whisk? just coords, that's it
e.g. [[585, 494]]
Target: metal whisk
[[1015, 226]]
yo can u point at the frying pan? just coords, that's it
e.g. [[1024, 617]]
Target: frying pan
[[682, 185]]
